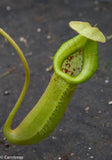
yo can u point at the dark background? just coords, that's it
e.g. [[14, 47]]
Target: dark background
[[39, 27]]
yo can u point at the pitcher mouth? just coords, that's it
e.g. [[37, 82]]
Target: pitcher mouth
[[73, 64]]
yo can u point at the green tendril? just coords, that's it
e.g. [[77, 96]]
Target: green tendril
[[27, 79]]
